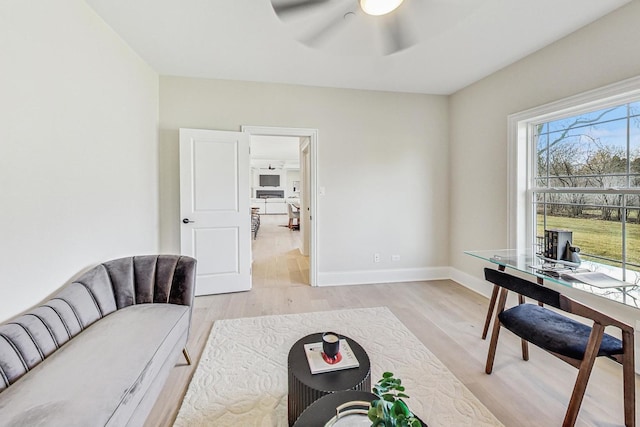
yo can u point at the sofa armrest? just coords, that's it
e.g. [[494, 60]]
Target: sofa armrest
[[183, 284]]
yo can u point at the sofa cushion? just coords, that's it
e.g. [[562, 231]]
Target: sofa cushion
[[151, 278], [99, 377]]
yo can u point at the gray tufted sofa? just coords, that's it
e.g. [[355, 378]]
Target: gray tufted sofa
[[99, 351]]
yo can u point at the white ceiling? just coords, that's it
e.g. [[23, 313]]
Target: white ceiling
[[275, 151], [461, 41]]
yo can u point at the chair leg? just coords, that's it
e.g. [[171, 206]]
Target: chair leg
[[492, 304], [629, 379], [186, 355], [496, 332], [590, 354], [524, 343]]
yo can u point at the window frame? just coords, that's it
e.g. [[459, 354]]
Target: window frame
[[521, 152]]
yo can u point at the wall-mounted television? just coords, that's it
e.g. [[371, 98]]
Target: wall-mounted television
[[269, 180]]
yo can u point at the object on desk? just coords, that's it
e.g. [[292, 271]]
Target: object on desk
[[561, 263], [554, 271], [571, 253], [599, 280], [554, 246], [318, 365]]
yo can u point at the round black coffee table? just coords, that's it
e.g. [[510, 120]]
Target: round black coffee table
[[305, 388], [323, 409]]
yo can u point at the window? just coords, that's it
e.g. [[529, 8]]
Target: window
[[575, 165]]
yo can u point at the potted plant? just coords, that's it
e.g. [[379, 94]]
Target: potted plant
[[389, 409]]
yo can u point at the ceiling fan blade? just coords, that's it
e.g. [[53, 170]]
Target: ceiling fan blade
[[295, 6], [330, 24], [398, 34]]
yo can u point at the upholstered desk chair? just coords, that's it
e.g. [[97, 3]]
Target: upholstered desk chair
[[572, 341]]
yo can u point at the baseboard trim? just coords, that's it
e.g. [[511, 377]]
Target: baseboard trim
[[339, 278], [473, 283], [342, 278]]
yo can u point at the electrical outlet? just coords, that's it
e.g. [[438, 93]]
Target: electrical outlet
[[395, 257], [376, 257]]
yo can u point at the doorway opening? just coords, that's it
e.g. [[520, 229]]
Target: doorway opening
[[283, 183]]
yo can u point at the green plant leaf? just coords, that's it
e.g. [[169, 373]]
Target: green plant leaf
[[389, 410], [400, 409], [372, 414]]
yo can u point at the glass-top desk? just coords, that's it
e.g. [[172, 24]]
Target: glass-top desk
[[588, 276]]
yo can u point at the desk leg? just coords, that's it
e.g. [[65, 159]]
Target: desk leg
[[540, 281], [492, 304]]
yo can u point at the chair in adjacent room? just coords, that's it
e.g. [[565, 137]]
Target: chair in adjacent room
[[293, 215], [255, 222], [574, 342]]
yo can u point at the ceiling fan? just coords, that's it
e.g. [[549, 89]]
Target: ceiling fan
[[317, 23]]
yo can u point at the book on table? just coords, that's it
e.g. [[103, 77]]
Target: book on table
[[318, 364]]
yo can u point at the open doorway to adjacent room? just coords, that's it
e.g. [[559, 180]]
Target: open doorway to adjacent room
[[281, 201]]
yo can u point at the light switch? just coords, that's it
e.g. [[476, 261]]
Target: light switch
[[321, 191]]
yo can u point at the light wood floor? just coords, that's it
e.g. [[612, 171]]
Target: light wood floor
[[445, 316], [277, 261]]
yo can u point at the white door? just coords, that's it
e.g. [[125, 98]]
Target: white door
[[214, 208]]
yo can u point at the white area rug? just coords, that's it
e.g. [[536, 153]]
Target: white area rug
[[242, 376]]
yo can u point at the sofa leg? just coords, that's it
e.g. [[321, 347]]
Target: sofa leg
[[186, 355]]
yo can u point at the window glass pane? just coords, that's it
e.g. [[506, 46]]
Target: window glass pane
[[541, 182], [543, 128], [565, 158], [541, 149], [587, 119], [599, 239]]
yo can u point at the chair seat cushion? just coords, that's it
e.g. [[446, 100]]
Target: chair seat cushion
[[554, 332]]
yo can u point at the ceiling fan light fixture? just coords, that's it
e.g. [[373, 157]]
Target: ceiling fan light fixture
[[379, 7]]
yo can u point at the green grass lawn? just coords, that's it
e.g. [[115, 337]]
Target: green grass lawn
[[595, 236]]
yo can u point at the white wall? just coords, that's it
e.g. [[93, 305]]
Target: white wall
[[78, 148], [382, 159], [293, 175], [599, 54]]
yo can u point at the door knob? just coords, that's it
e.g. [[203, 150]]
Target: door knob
[[187, 220]]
